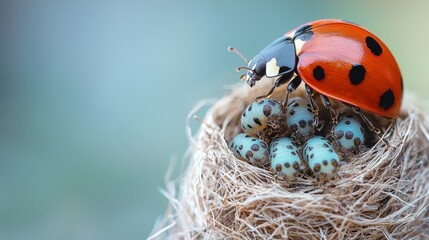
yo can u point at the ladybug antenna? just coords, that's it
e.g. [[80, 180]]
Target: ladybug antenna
[[243, 77], [245, 68], [234, 50]]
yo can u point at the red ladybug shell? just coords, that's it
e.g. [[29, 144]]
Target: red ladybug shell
[[348, 63]]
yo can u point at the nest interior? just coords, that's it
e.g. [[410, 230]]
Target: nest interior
[[380, 193]]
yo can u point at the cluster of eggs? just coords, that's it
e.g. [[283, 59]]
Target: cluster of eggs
[[284, 137]]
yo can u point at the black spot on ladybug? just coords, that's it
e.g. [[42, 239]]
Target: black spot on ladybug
[[240, 147], [244, 127], [347, 122], [264, 145], [357, 74], [305, 36], [296, 105], [287, 165], [312, 155], [361, 129], [304, 33], [255, 147], [267, 110], [330, 150], [325, 145], [254, 139], [274, 150], [274, 155], [261, 102], [309, 110], [293, 153], [289, 147], [386, 99], [248, 125], [244, 114], [247, 136], [294, 127], [249, 108], [310, 148], [318, 73], [302, 123], [291, 103], [325, 162], [275, 144], [374, 46], [292, 112], [257, 121]]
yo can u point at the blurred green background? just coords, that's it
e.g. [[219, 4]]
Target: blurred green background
[[94, 97]]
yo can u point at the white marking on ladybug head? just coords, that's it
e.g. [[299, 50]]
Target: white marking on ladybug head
[[271, 68], [298, 46]]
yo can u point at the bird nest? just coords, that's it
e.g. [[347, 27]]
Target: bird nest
[[380, 193]]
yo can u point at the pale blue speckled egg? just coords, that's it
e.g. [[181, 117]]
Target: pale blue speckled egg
[[349, 133], [284, 157], [255, 116], [321, 156], [300, 117], [250, 148]]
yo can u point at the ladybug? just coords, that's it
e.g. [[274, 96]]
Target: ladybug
[[338, 60]]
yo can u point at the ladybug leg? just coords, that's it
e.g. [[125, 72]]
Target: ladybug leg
[[280, 81], [267, 95], [334, 116], [292, 86], [314, 107], [369, 124], [328, 105]]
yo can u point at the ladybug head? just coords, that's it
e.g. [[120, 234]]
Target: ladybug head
[[277, 59], [255, 67], [255, 70]]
